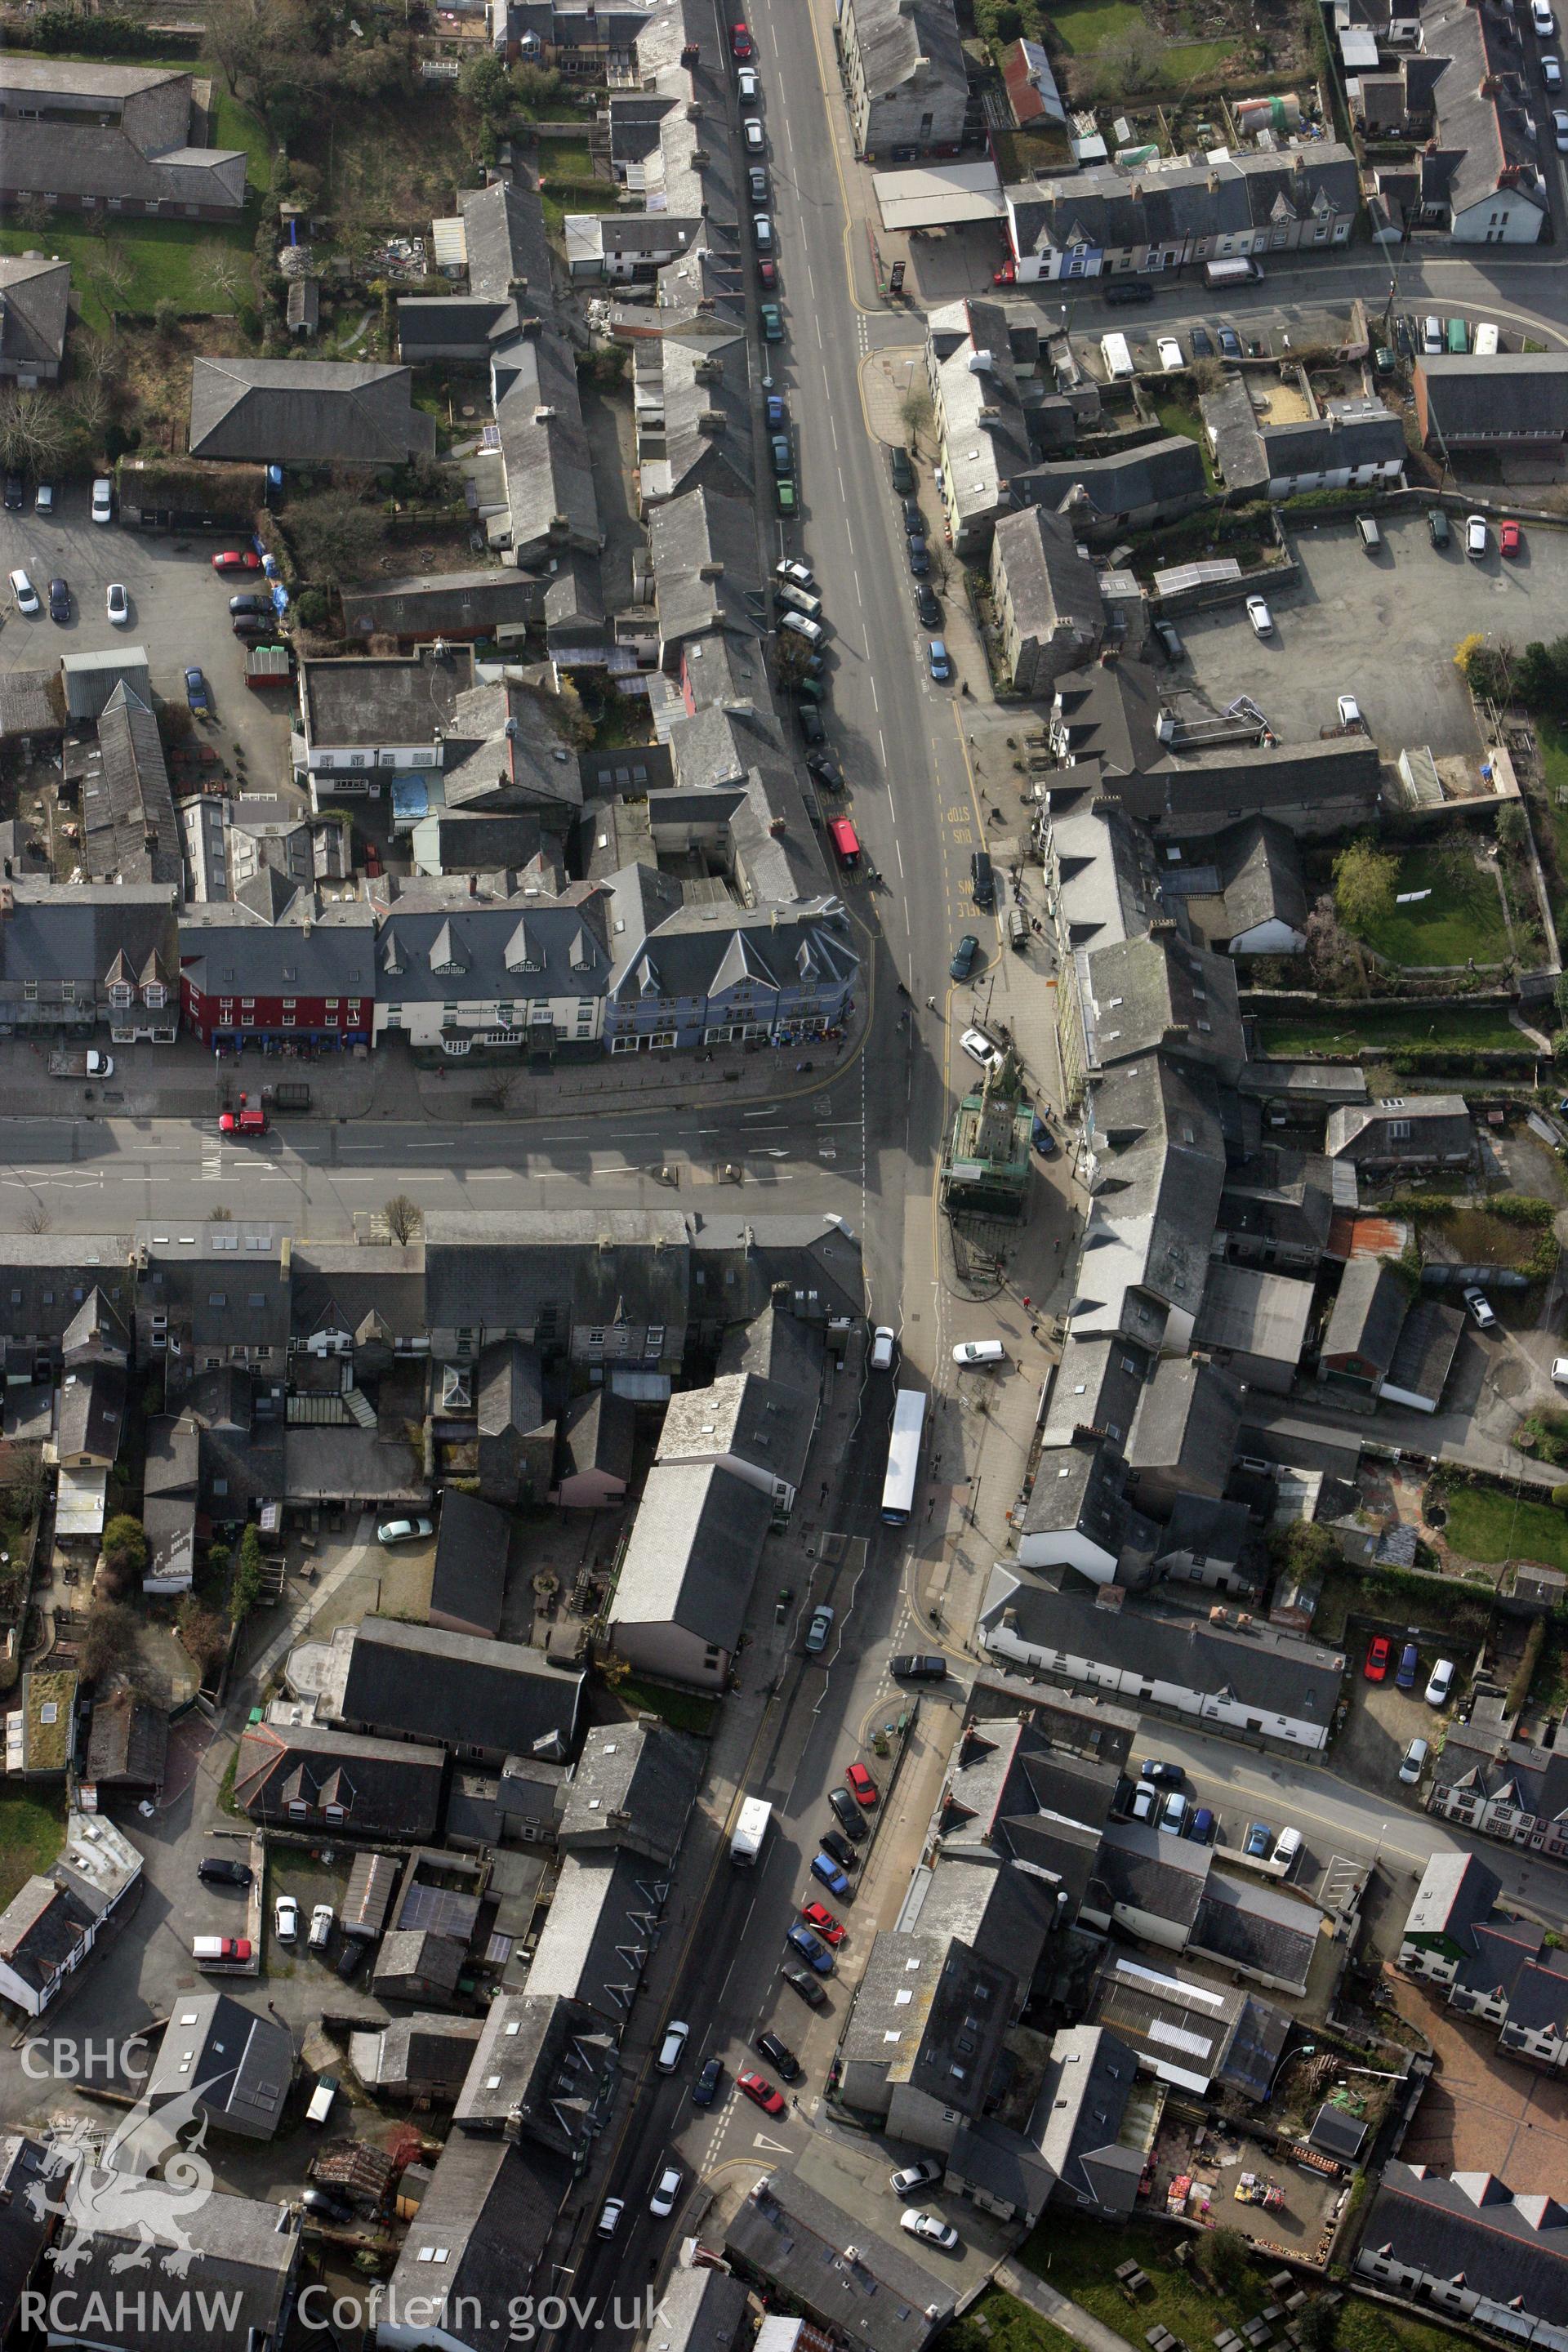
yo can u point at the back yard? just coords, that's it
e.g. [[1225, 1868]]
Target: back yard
[[1491, 1526], [31, 1830], [1458, 919], [1346, 1034]]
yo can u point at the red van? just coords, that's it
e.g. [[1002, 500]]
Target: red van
[[842, 835]]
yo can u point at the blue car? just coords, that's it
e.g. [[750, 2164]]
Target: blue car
[[705, 2090], [1259, 1843], [807, 1945], [1200, 1826], [776, 410], [1043, 1141], [196, 693], [941, 667], [825, 1868], [1408, 1668]]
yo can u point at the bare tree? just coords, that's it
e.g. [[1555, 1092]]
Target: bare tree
[[32, 430], [222, 273], [108, 1644], [90, 405], [915, 413], [37, 1218], [113, 273], [32, 214], [403, 1217], [336, 535]]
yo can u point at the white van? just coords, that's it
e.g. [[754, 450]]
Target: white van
[[799, 600], [1485, 342], [979, 1351], [1287, 1846], [1118, 357], [321, 2098], [1367, 530], [808, 629], [1431, 333]]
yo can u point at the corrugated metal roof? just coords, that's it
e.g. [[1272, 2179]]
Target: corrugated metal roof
[[451, 242]]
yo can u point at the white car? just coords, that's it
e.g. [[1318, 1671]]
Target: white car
[[980, 1048], [794, 572], [1560, 1371], [1475, 536], [99, 1065], [751, 133], [672, 2048], [1560, 130], [117, 604], [748, 88], [762, 232], [44, 499], [1286, 1847], [1542, 17], [1552, 72], [1414, 1762], [103, 500], [1170, 352], [1441, 1683], [1349, 711], [1173, 1812], [1145, 1799], [915, 2177], [401, 1531], [286, 1919], [818, 1632], [321, 1925], [980, 1352], [666, 2190], [1480, 1307], [883, 1343], [25, 595], [930, 2229], [1262, 618], [609, 2220]]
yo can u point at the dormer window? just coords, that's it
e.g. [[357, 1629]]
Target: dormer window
[[120, 992]]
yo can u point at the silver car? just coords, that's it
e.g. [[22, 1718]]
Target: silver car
[[818, 1632]]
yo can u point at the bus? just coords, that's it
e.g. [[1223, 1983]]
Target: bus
[[903, 1456]]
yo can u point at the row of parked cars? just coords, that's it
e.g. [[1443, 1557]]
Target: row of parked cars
[[1158, 1797]]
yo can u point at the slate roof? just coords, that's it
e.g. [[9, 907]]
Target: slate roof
[[1486, 399], [241, 2064], [534, 948], [386, 1788], [1509, 2251], [895, 43], [131, 140], [129, 1739], [447, 601], [41, 1928], [83, 931], [1429, 1342], [90, 1414], [707, 575], [469, 1577], [452, 1687], [1484, 140], [1254, 1313], [1078, 2117], [1154, 473], [1048, 582], [693, 1553], [791, 2233], [26, 2223], [601, 1928], [1189, 1420], [544, 445], [597, 1432], [1368, 1313], [244, 2255], [759, 1422], [986, 430], [360, 702], [1143, 1869], [306, 413], [480, 2230], [1190, 2031], [224, 957], [31, 703], [1159, 989], [414, 2052], [1158, 1171], [635, 1777], [1004, 1916], [1080, 1490], [1281, 1196], [1433, 1124], [1261, 1930], [35, 305], [1273, 1673], [1107, 207], [701, 2310]]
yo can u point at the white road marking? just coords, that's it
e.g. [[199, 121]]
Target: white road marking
[[898, 853]]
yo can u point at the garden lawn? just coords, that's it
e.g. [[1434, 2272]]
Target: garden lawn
[[1553, 742], [1462, 918], [1298, 1036], [682, 1710], [161, 254], [1486, 1525], [1085, 26], [1000, 2323], [32, 1831]]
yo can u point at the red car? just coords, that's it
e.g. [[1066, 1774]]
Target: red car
[[860, 1780], [767, 276], [740, 44], [1377, 1658], [758, 2087], [1509, 538], [820, 1918], [1006, 275], [238, 558]]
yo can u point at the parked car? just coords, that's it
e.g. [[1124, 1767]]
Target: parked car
[[762, 232], [741, 45], [1414, 1762], [1164, 1776], [1201, 1828], [59, 599], [1286, 1847], [609, 2219], [250, 600], [864, 1789], [969, 1352], [761, 2093], [44, 501], [751, 133], [666, 2190], [851, 1818], [103, 500], [1552, 72], [779, 2053], [1041, 1139], [1258, 1840], [914, 521], [816, 1955], [826, 1871], [928, 611], [963, 956], [1438, 529], [919, 553], [1440, 1683], [820, 1919], [747, 87], [1173, 1812], [1145, 1798], [1509, 538], [323, 2202], [672, 2048], [931, 2230], [26, 596], [1262, 618], [238, 558], [1409, 1660], [1542, 17], [1169, 642], [903, 471], [216, 1870], [772, 317], [402, 1531], [322, 1921], [286, 1919], [833, 1843], [916, 2177], [937, 660], [883, 1341], [117, 604], [1560, 1371], [818, 1632], [916, 1666], [705, 2089], [196, 694], [807, 1986], [352, 1958], [1202, 347], [1475, 536], [1480, 1308], [1229, 342], [1377, 1656], [15, 493], [980, 1048], [1349, 711], [1170, 351]]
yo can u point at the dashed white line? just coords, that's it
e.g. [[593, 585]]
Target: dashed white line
[[898, 854]]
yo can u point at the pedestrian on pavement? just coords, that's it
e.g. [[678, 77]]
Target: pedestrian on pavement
[[930, 1005], [930, 1508], [824, 1490], [1034, 1331], [1025, 1303]]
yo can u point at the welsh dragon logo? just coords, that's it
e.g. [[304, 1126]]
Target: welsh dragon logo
[[141, 2184]]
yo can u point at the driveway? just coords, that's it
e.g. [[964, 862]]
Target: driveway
[[179, 610], [1384, 628]]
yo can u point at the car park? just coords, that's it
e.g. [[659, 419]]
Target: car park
[[818, 1630], [919, 554], [1510, 538], [1414, 1762], [861, 1786], [672, 2048], [822, 1922], [1229, 342], [1259, 1842], [103, 500], [931, 2230], [807, 1986], [779, 2053], [1287, 1846], [916, 2177], [196, 695], [826, 1871], [24, 596], [937, 660], [59, 599], [216, 1870], [1262, 618], [963, 956], [1173, 1812], [761, 2093], [1438, 527], [848, 1815], [1481, 1309], [833, 1843], [918, 1666], [1440, 1685], [1475, 536], [666, 2190], [980, 1048], [402, 1531], [705, 2089], [969, 1352], [816, 1955], [286, 1919], [1377, 1656], [609, 2219], [928, 611], [883, 1343]]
